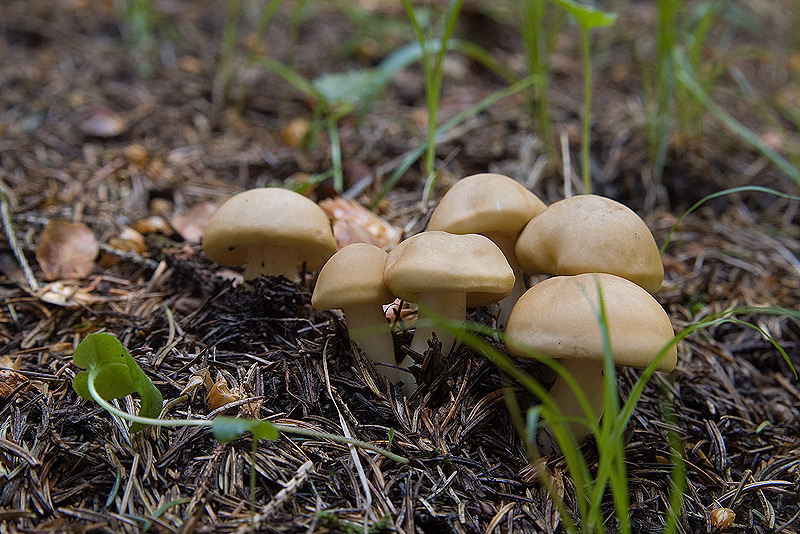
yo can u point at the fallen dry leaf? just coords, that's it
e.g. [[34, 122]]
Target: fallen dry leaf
[[152, 224], [192, 224], [294, 131], [353, 223], [10, 381], [6, 361], [198, 379], [67, 296], [220, 393], [66, 250], [128, 240]]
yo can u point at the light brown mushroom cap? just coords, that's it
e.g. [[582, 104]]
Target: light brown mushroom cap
[[589, 233], [352, 276], [558, 318], [268, 216], [440, 262], [485, 203]]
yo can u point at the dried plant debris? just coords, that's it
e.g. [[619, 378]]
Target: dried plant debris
[[170, 145]]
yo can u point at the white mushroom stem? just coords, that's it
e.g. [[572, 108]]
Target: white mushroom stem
[[368, 328], [506, 242], [271, 261], [450, 306], [589, 376]]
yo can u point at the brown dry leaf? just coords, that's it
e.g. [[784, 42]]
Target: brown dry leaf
[[66, 250], [198, 379], [100, 121], [353, 223], [220, 393], [152, 224], [128, 240], [294, 131], [10, 381], [192, 224], [6, 361], [400, 311], [67, 296]]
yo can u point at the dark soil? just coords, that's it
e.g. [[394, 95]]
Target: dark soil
[[184, 140]]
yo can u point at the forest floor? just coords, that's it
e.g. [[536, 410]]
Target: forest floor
[[97, 131]]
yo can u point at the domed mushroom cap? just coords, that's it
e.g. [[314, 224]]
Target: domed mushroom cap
[[558, 318], [589, 233], [484, 203], [352, 276], [268, 216], [440, 262]]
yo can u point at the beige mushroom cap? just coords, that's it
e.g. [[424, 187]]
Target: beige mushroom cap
[[558, 318], [485, 203], [352, 276], [268, 216], [440, 262], [589, 233]]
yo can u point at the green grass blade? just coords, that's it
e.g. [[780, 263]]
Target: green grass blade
[[717, 194], [415, 154], [687, 79]]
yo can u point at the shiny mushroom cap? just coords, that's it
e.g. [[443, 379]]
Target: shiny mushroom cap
[[589, 233], [485, 203], [558, 317], [440, 262], [284, 221], [352, 276]]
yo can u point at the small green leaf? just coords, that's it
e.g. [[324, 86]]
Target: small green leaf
[[115, 374], [348, 87], [229, 428], [588, 17]]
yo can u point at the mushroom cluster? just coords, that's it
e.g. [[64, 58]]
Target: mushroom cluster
[[485, 235]]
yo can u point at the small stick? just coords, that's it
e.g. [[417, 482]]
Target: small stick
[[8, 226]]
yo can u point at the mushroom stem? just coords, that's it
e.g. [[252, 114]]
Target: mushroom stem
[[506, 242], [368, 328], [451, 306], [589, 376], [271, 261]]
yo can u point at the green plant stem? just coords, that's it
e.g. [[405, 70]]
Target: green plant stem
[[688, 80], [536, 50], [587, 112], [415, 154], [433, 68], [286, 429]]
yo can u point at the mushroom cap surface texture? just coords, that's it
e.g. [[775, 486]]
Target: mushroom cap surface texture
[[590, 233], [484, 203], [268, 216], [440, 262], [352, 276], [558, 317]]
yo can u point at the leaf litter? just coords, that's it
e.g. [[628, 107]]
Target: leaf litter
[[68, 466]]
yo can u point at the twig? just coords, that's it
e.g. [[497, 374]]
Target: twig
[[288, 490], [8, 226]]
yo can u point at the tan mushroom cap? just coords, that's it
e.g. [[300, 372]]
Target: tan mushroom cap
[[440, 262], [352, 276], [268, 216], [485, 203], [589, 233], [558, 318]]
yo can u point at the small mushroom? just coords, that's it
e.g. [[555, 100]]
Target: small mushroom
[[445, 273], [588, 234], [352, 280], [558, 317], [495, 206], [271, 231]]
